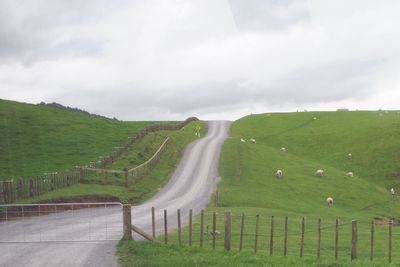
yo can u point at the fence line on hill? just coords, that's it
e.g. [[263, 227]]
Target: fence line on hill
[[16, 189], [334, 239], [138, 171]]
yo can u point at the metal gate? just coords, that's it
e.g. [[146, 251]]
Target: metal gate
[[61, 222]]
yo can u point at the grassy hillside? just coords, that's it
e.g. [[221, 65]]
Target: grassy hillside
[[315, 140], [37, 139], [249, 186]]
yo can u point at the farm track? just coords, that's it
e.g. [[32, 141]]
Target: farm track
[[190, 187]]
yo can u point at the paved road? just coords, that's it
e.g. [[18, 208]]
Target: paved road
[[74, 233]]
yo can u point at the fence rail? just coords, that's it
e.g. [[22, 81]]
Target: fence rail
[[138, 171]]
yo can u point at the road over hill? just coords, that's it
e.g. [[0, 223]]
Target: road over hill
[[73, 237]]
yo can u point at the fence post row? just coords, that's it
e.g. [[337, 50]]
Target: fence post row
[[127, 220], [354, 240], [271, 239], [372, 240], [165, 227], [228, 223]]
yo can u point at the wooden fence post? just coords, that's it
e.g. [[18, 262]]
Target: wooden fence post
[[5, 192], [256, 234], [271, 238], [81, 175], [372, 239], [241, 232], [216, 197], [126, 177], [178, 213], [228, 224], [390, 242], [337, 239], [201, 228], [190, 227], [319, 239], [214, 229], [165, 227], [127, 219], [285, 239], [20, 188], [153, 222], [302, 237], [31, 189], [354, 240]]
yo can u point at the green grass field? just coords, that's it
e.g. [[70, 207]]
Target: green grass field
[[249, 186], [39, 139]]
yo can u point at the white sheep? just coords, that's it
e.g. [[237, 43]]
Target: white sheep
[[242, 140], [349, 156], [392, 192], [216, 233], [329, 201], [350, 174], [319, 173], [279, 173], [253, 140], [314, 118], [283, 149]]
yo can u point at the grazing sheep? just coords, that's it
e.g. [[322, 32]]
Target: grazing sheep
[[283, 149], [319, 173], [216, 233], [392, 192], [242, 140], [350, 174], [314, 118], [329, 201], [279, 173], [253, 140], [349, 156]]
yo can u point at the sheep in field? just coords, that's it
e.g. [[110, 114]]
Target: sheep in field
[[283, 149], [242, 140], [216, 233], [319, 173], [329, 201], [350, 174], [279, 173], [253, 140], [349, 156]]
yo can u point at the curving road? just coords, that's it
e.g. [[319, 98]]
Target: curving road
[[74, 234]]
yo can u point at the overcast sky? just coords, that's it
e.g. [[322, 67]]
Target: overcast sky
[[215, 59]]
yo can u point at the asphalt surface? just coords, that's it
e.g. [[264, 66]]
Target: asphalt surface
[[76, 236]]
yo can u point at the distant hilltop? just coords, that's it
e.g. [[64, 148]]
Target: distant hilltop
[[60, 106]]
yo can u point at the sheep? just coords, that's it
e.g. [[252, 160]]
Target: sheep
[[329, 201], [392, 192], [314, 118], [253, 140], [279, 173], [283, 149], [216, 233], [350, 174], [242, 140], [319, 173], [349, 156]]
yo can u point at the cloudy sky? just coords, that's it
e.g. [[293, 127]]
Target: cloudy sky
[[215, 59]]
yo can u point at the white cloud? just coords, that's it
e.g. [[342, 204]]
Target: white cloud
[[172, 59]]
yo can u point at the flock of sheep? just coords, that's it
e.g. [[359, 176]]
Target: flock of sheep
[[319, 172]]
